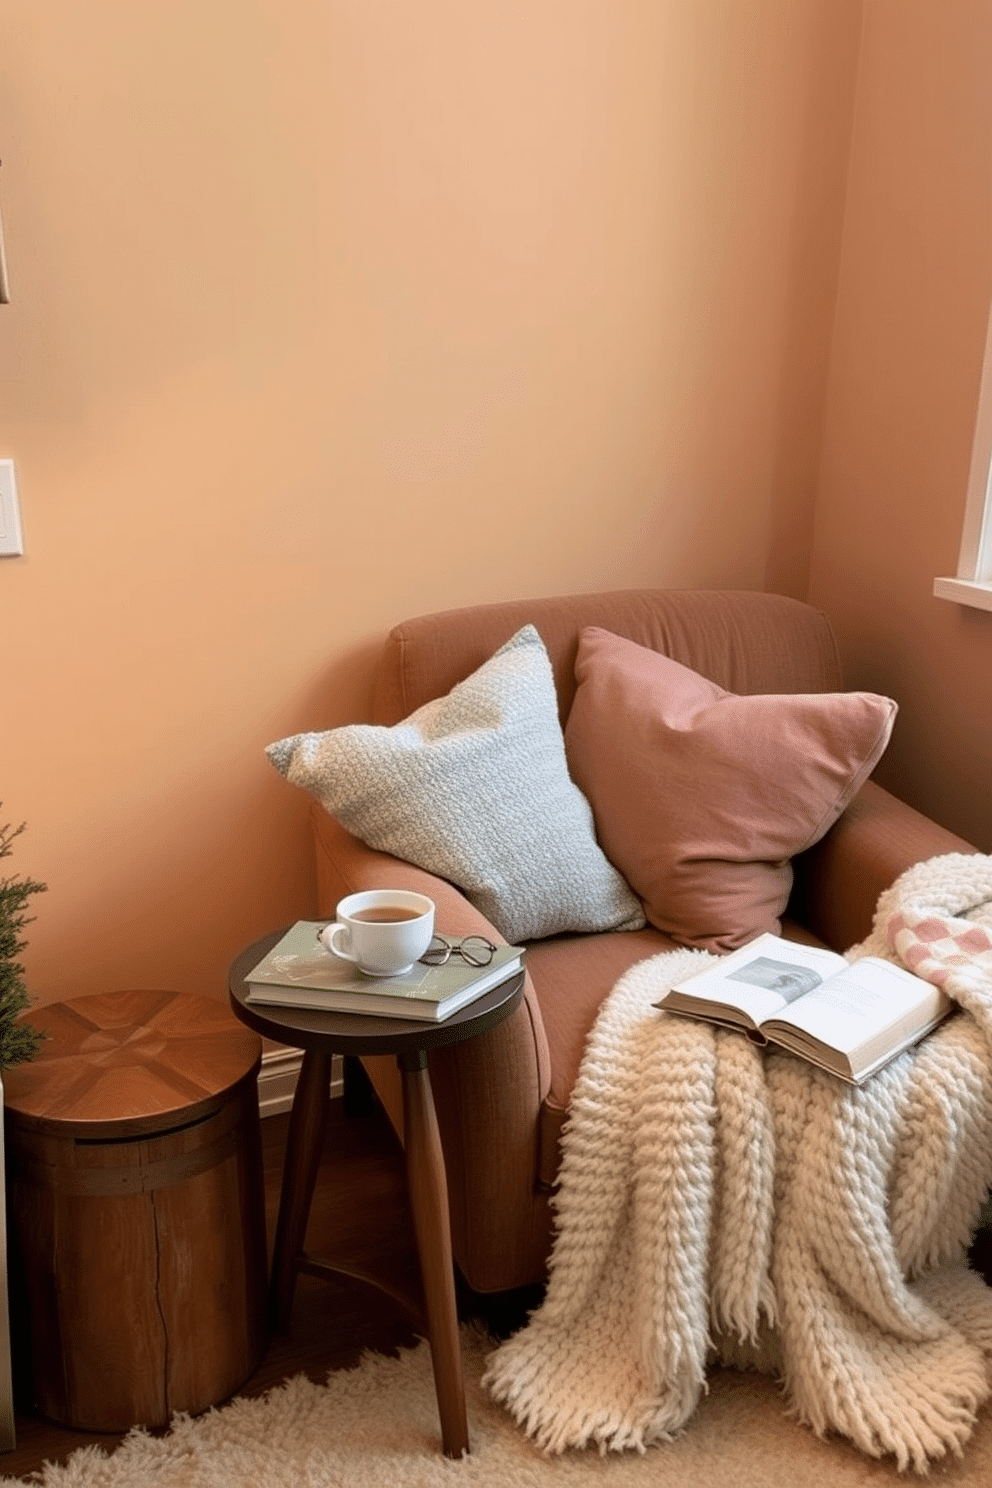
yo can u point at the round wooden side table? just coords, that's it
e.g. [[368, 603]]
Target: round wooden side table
[[137, 1206], [321, 1035]]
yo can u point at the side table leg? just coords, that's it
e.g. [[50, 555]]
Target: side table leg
[[304, 1143], [428, 1190]]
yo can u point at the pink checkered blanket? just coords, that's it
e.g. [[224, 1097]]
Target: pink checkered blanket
[[942, 948]]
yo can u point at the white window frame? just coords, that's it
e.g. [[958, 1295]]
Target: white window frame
[[973, 582]]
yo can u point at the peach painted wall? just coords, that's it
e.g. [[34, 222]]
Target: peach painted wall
[[331, 313], [913, 307]]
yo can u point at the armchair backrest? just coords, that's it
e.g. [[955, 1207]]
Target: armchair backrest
[[744, 641]]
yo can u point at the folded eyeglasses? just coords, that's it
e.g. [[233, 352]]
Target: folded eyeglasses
[[475, 950]]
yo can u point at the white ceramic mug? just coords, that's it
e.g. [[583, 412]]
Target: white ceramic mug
[[383, 931]]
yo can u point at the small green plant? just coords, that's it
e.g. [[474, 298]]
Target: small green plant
[[19, 1040]]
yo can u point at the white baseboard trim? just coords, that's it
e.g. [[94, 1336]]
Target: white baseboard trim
[[278, 1075]]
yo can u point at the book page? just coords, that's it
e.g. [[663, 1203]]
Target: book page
[[861, 1002]]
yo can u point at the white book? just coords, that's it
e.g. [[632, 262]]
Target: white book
[[850, 1018]]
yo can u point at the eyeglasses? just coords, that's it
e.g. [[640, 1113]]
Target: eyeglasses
[[476, 950]]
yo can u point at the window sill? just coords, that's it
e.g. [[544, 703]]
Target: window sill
[[964, 591]]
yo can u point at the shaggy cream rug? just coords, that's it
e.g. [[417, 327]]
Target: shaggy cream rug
[[376, 1427]]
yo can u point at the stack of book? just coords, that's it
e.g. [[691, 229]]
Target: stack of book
[[298, 972]]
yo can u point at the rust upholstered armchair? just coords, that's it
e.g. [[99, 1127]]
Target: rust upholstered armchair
[[502, 1099]]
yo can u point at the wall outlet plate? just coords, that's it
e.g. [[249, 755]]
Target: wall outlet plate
[[11, 540]]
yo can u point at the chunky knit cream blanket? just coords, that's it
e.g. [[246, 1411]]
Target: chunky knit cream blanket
[[717, 1201]]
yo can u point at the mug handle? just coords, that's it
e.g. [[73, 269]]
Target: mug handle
[[329, 937]]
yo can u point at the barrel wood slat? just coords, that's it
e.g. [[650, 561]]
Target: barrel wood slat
[[137, 1207], [8, 1430]]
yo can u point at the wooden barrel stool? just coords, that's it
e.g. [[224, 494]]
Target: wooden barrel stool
[[137, 1211]]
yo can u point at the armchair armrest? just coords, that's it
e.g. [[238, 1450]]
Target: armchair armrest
[[346, 865], [488, 1091], [837, 882]]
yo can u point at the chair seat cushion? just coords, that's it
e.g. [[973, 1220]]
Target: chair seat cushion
[[573, 975]]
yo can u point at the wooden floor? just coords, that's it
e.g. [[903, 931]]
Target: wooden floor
[[361, 1181]]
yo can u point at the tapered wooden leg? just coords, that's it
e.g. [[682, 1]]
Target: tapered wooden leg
[[428, 1189], [304, 1143]]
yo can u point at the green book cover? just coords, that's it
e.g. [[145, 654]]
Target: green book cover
[[298, 972]]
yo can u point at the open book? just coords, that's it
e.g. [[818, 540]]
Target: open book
[[850, 1018]]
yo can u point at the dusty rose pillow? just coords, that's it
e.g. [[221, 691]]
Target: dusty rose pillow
[[701, 797]]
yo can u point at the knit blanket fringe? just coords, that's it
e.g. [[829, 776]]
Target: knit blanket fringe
[[719, 1202]]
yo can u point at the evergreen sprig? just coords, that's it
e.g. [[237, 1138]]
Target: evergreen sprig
[[19, 1040]]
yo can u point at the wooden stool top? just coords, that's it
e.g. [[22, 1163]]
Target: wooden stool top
[[129, 1064]]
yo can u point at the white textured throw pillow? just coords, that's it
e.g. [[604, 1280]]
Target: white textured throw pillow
[[474, 787]]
